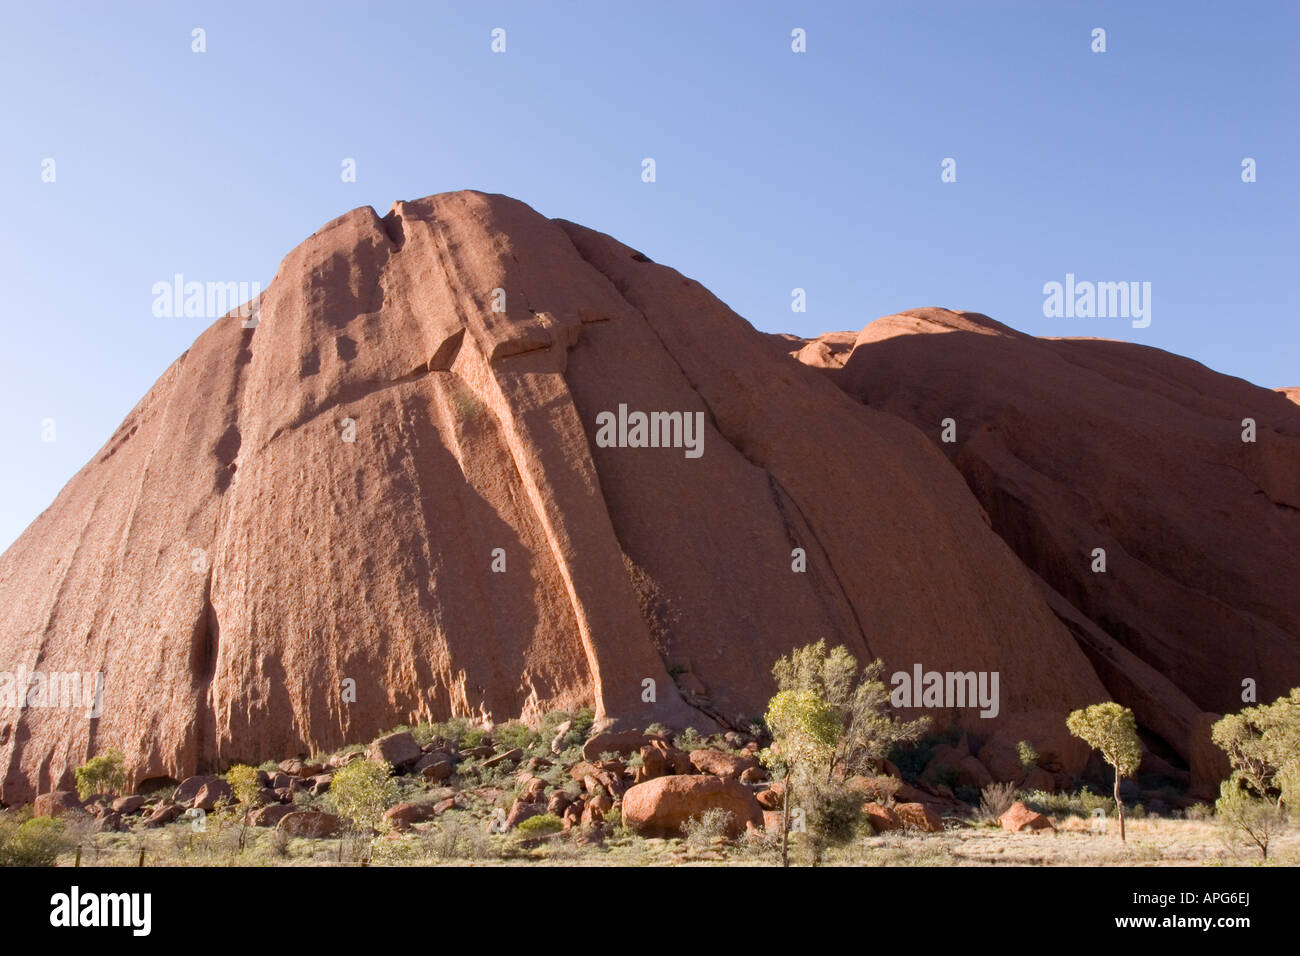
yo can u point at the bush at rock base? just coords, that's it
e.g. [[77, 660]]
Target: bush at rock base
[[362, 791], [30, 841], [101, 774], [540, 825]]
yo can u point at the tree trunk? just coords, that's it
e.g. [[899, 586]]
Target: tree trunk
[[1119, 808], [785, 821]]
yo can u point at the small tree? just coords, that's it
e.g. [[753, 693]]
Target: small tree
[[1112, 730], [102, 774], [805, 730], [825, 724], [360, 793], [868, 727], [244, 785], [1263, 748], [1242, 813]]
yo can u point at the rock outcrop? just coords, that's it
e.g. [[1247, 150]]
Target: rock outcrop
[[1073, 445], [385, 502]]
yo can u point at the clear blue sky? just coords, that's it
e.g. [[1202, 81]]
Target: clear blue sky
[[775, 170]]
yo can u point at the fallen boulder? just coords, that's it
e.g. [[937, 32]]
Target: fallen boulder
[[660, 807], [1019, 817], [315, 824]]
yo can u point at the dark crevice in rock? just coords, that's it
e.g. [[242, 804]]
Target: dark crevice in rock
[[205, 646], [392, 226], [445, 356]]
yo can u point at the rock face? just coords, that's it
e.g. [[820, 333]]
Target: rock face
[[1076, 444], [386, 503]]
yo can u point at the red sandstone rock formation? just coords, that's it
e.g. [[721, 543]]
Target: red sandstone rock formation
[[231, 560], [1076, 444]]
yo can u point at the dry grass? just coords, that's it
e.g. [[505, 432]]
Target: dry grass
[[1151, 842]]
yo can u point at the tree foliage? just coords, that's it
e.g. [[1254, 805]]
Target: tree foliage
[[1111, 730], [361, 792], [828, 722], [101, 774], [244, 785], [1263, 748]]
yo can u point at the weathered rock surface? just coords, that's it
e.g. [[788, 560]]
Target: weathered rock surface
[[918, 816], [881, 817], [1076, 444], [189, 789], [272, 815], [402, 815], [1019, 817], [310, 823], [722, 764], [55, 804], [398, 750], [661, 807], [318, 499]]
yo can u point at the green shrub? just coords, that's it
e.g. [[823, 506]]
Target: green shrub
[[1089, 801], [1080, 804], [362, 791], [580, 726], [1027, 754], [459, 732], [102, 774], [515, 733], [540, 825], [30, 841], [689, 739], [243, 782]]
